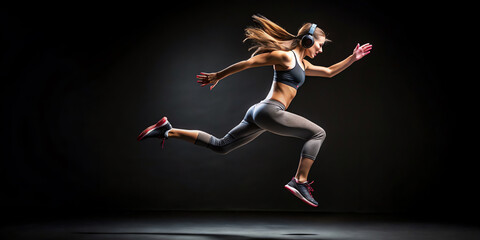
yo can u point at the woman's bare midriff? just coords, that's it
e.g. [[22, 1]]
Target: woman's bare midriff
[[282, 92]]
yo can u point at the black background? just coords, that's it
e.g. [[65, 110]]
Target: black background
[[81, 82]]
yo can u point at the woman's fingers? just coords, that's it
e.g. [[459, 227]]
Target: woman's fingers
[[207, 78], [203, 79], [366, 50], [367, 47], [213, 85]]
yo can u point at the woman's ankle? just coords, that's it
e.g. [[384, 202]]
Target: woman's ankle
[[300, 179]]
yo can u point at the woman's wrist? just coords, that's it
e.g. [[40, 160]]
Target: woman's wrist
[[352, 58], [219, 75]]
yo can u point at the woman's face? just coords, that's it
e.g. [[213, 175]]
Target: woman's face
[[316, 48]]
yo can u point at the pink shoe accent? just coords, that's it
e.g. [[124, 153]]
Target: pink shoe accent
[[160, 123], [297, 194]]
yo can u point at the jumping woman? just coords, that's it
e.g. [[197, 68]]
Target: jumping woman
[[276, 47]]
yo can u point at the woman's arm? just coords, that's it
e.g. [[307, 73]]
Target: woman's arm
[[264, 59], [358, 53]]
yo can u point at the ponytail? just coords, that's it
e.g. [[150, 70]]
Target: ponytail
[[269, 36]]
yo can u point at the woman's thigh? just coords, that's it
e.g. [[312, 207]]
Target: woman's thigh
[[285, 123]]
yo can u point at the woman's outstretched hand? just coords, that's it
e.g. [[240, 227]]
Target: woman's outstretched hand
[[361, 51], [208, 78]]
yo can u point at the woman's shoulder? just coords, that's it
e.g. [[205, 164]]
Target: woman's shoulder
[[285, 56], [287, 59]]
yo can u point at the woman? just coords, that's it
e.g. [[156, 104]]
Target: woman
[[274, 46]]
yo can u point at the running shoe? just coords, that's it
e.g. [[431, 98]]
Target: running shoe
[[302, 191], [158, 130]]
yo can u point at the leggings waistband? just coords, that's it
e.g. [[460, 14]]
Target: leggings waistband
[[274, 102]]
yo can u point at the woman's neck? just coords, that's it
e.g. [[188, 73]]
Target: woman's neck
[[300, 52]]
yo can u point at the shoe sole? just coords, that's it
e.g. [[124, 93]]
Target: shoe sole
[[297, 194], [160, 123]]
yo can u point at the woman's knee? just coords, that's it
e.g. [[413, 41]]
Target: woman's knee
[[320, 134], [222, 145], [223, 150]]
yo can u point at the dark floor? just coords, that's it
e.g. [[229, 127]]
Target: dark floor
[[236, 226]]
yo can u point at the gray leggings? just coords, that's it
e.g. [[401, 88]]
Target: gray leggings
[[267, 115]]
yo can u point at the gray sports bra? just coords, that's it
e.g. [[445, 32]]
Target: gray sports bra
[[294, 77]]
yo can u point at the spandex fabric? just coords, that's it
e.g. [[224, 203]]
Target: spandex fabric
[[267, 115]]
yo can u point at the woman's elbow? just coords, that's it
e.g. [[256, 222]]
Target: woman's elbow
[[329, 73], [249, 63]]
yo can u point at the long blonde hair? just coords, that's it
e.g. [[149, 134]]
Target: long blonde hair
[[270, 37]]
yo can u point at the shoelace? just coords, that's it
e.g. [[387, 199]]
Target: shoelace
[[309, 187], [308, 184], [163, 142]]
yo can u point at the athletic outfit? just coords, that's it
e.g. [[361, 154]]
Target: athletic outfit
[[267, 115], [270, 115], [294, 77]]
